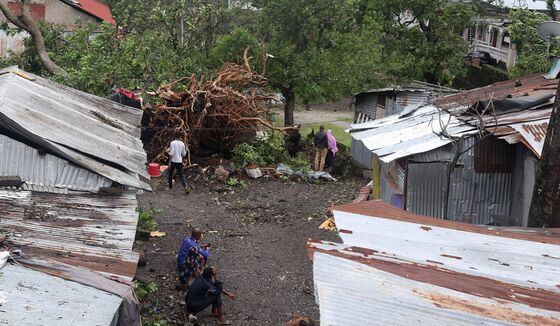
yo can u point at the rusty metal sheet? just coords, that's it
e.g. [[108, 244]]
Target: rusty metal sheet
[[78, 229], [357, 286], [532, 84], [410, 269], [534, 134]]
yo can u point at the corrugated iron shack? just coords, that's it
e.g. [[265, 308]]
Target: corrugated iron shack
[[497, 132], [399, 268], [62, 152], [381, 102]]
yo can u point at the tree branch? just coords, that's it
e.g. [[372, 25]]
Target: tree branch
[[27, 23]]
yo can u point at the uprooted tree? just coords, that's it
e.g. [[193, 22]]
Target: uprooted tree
[[25, 21], [220, 112]]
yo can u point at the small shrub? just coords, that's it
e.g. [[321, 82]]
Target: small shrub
[[146, 221], [269, 151], [142, 290], [234, 182]]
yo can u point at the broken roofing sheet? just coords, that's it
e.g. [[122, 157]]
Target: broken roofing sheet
[[398, 268], [89, 131], [35, 298], [393, 137], [79, 229]]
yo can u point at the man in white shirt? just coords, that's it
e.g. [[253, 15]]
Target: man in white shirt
[[177, 151]]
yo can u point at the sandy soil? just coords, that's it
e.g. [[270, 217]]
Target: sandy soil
[[258, 234]]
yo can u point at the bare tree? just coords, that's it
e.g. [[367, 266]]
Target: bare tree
[[545, 205], [25, 22], [458, 141]]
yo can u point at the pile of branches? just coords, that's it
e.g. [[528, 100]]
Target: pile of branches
[[219, 112]]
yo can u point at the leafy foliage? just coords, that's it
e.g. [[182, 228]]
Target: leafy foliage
[[421, 38], [268, 152], [320, 50], [146, 220], [532, 55], [142, 290], [230, 47], [234, 182]]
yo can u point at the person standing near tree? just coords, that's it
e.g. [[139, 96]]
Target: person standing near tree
[[177, 150], [321, 148]]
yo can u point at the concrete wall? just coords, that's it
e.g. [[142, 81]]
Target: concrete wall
[[50, 11]]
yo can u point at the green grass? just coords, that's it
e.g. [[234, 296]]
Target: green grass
[[341, 136]]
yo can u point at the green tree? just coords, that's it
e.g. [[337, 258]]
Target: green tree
[[318, 50], [422, 38], [230, 47], [532, 50], [155, 42]]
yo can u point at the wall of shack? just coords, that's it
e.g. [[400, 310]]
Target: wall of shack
[[502, 196]]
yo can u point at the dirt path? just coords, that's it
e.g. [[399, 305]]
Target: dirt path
[[338, 113], [258, 234]]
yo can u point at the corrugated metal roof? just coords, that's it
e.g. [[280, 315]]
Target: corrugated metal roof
[[412, 86], [37, 299], [79, 229], [398, 268], [525, 4], [45, 173], [95, 133], [395, 137], [95, 8], [533, 134]]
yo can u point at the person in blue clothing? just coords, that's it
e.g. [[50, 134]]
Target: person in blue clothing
[[205, 291], [192, 256]]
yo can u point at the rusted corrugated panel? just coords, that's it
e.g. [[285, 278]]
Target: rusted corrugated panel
[[518, 86], [361, 286], [424, 189], [46, 173], [534, 134], [78, 229], [37, 299], [407, 269]]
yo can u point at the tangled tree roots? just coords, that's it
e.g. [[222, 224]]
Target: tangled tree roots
[[219, 112]]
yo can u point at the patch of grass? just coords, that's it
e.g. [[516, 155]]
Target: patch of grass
[[341, 136], [345, 119]]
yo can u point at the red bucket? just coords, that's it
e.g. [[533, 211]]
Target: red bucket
[[153, 170]]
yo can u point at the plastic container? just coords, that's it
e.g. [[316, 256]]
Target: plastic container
[[153, 170]]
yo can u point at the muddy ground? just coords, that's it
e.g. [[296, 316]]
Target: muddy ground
[[258, 235]]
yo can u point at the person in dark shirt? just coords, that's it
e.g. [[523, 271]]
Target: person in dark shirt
[[321, 148], [292, 140], [206, 291]]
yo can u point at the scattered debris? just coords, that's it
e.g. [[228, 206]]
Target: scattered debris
[[328, 224], [221, 173], [254, 173], [157, 234], [286, 170]]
